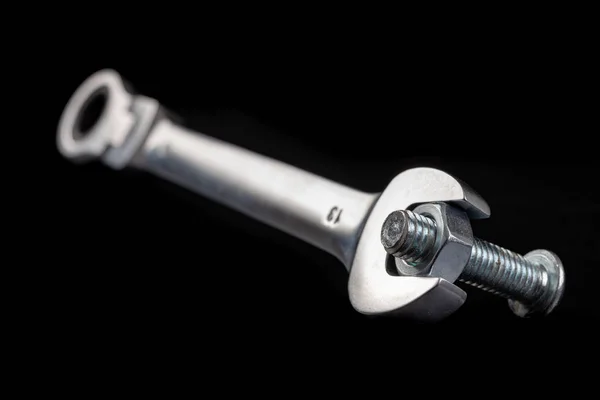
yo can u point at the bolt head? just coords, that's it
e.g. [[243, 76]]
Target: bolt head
[[554, 287]]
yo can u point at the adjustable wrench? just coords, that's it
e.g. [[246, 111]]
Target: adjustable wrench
[[135, 131]]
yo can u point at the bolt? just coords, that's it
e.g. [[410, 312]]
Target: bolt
[[533, 283]]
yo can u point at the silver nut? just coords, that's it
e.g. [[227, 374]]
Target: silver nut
[[452, 249]]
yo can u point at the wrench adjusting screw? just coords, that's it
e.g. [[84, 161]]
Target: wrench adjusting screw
[[533, 283]]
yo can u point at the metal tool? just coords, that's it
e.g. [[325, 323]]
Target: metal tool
[[404, 247]]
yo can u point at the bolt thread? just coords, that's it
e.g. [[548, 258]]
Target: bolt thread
[[504, 273], [411, 237]]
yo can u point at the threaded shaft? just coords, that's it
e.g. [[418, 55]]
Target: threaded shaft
[[503, 272], [408, 236], [411, 237]]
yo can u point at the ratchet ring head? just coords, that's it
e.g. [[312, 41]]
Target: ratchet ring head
[[81, 140]]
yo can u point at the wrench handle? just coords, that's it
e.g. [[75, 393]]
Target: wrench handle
[[319, 211]]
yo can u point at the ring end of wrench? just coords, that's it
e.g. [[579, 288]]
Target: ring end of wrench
[[105, 120]]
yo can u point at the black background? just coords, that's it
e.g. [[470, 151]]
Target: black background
[[144, 258]]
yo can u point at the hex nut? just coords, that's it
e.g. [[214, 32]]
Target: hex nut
[[453, 245]]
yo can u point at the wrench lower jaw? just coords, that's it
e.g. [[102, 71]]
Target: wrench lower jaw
[[423, 299], [437, 304]]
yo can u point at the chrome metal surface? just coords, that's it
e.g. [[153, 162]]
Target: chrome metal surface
[[317, 210], [406, 236], [454, 240], [554, 288], [134, 131], [373, 289], [533, 284], [434, 240], [121, 127]]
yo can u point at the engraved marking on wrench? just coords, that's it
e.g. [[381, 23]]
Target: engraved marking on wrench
[[334, 215]]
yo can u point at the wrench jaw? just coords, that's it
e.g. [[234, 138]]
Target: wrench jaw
[[120, 129], [374, 291], [423, 299]]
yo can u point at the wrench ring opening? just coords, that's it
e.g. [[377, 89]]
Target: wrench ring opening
[[91, 112]]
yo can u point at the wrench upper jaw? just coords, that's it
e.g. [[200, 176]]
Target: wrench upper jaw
[[374, 291], [119, 127]]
